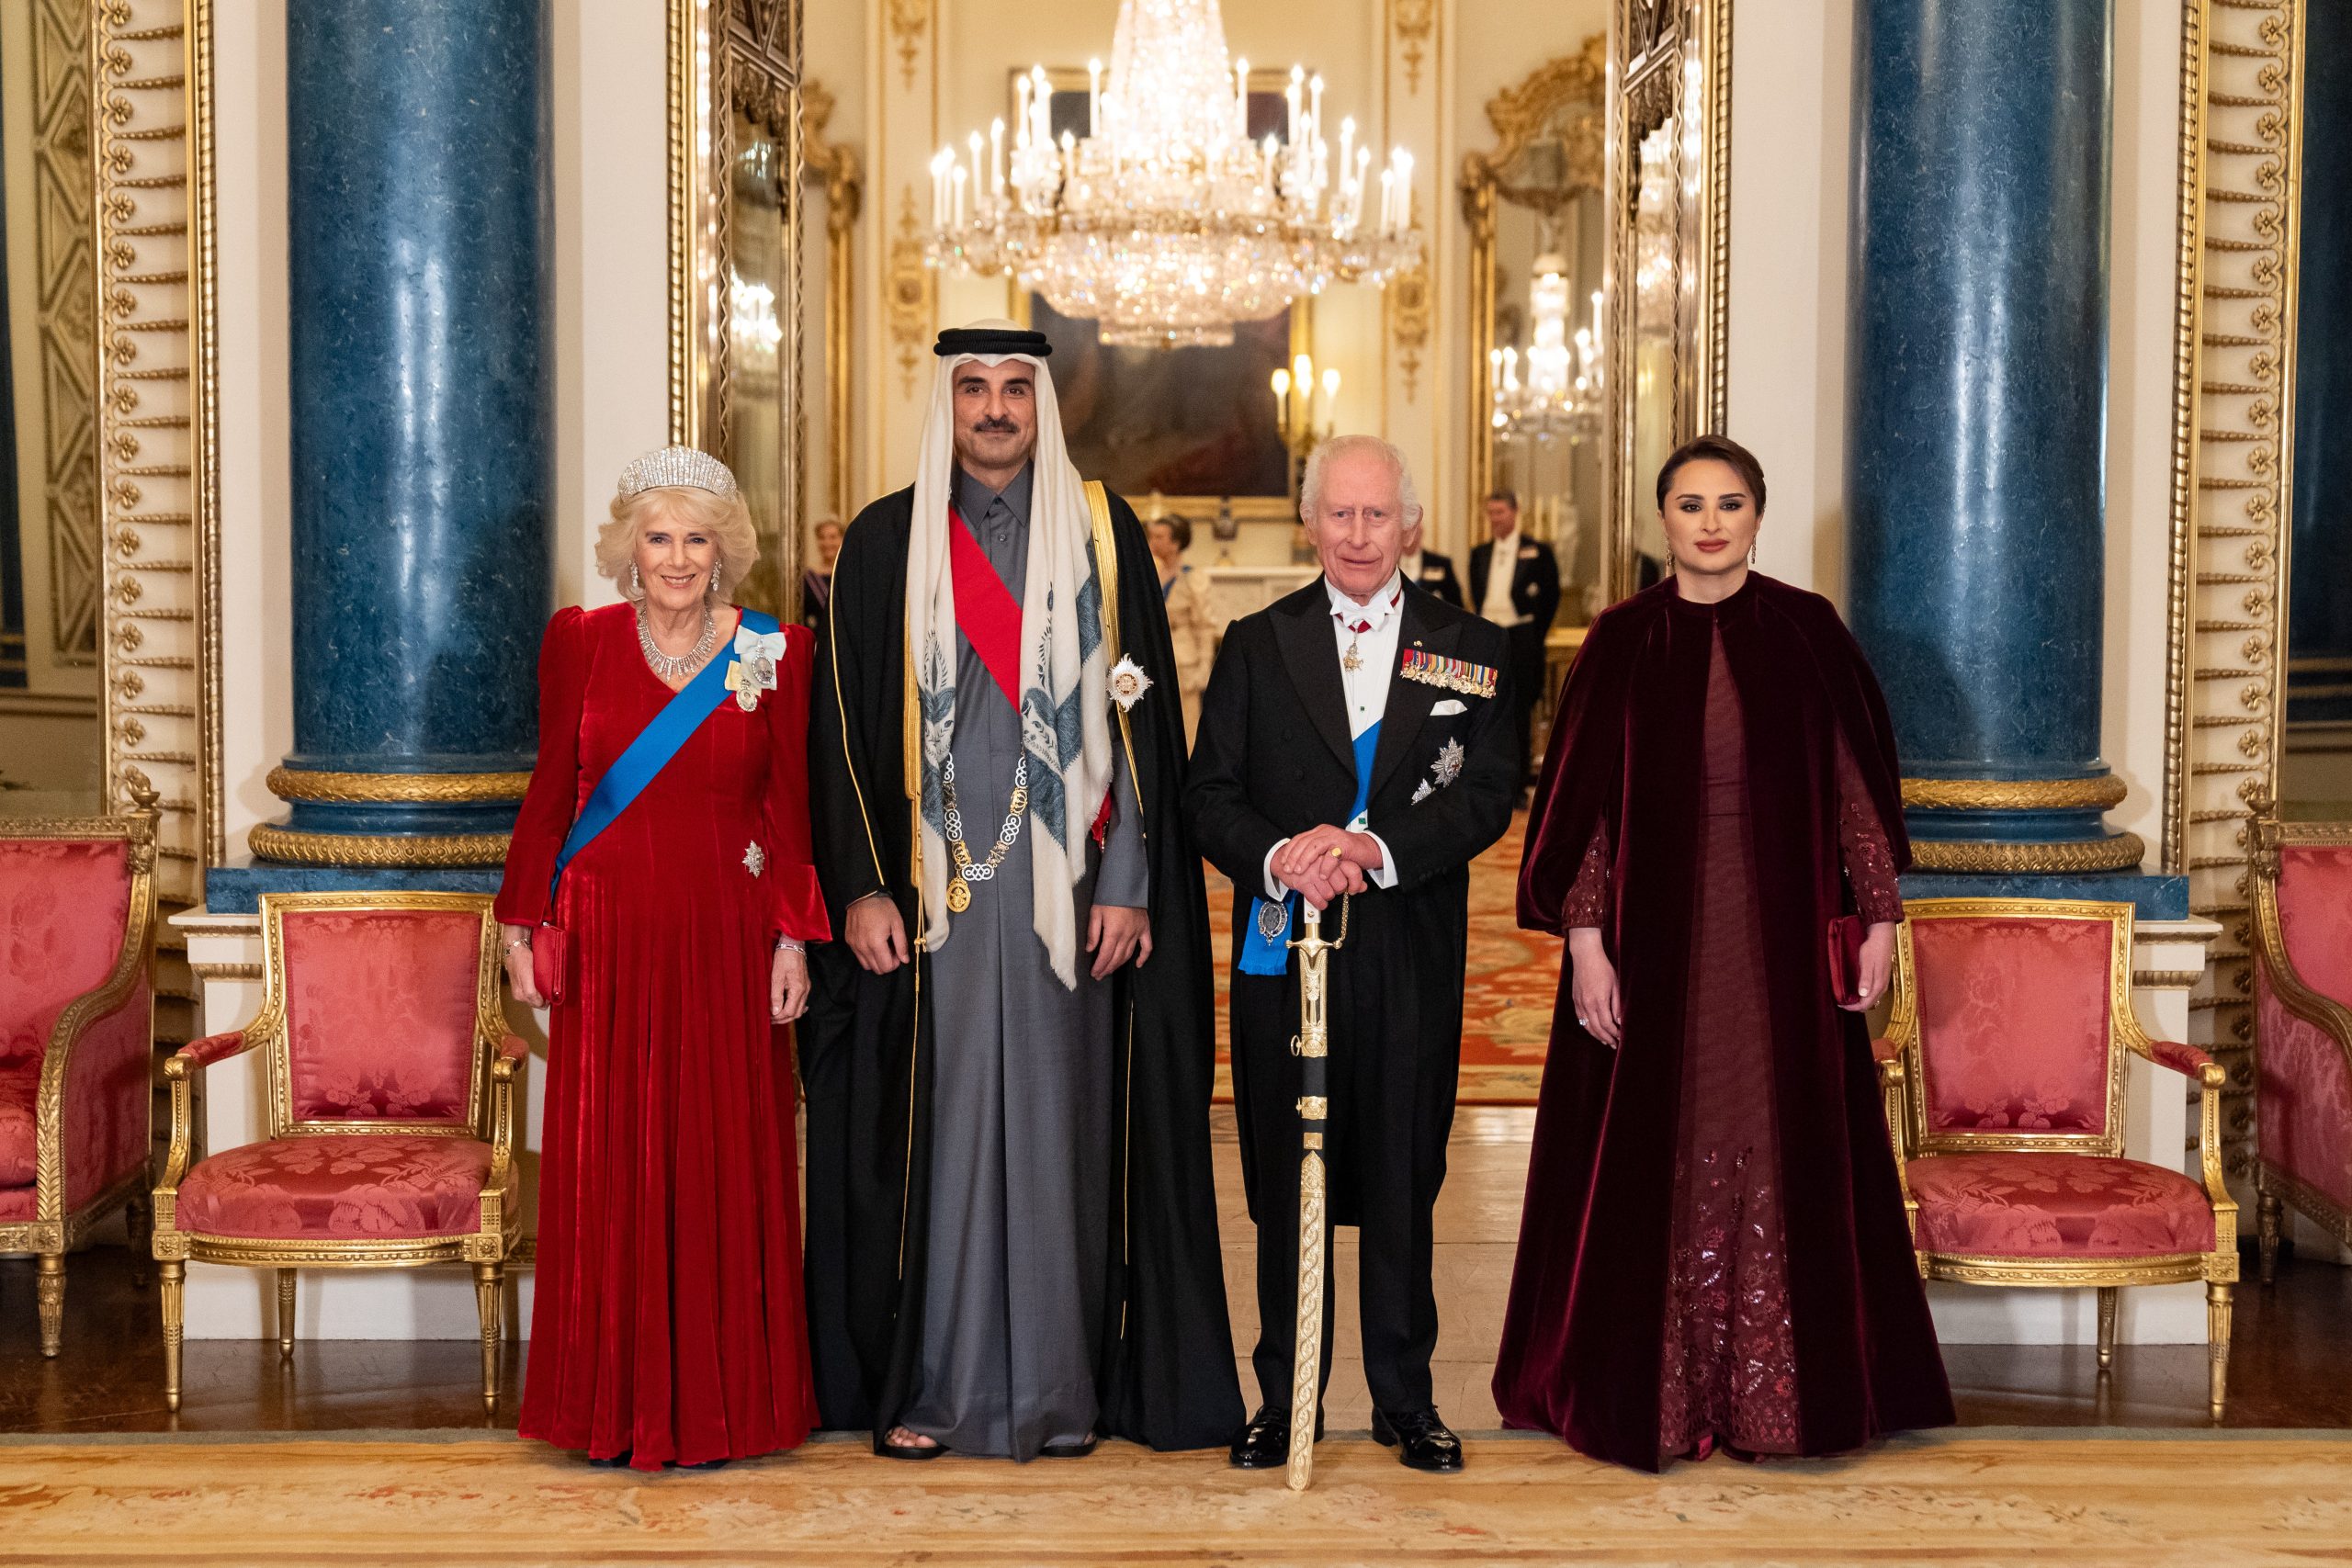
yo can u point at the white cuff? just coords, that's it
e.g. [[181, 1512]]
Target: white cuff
[[1275, 891], [1387, 875]]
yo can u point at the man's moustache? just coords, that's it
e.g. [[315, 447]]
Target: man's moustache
[[996, 427]]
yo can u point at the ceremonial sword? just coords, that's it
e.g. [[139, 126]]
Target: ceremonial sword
[[1313, 1047]]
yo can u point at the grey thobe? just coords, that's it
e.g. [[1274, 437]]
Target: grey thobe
[[1021, 1097]]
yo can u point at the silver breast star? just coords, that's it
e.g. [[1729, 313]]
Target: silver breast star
[[1448, 766], [755, 859]]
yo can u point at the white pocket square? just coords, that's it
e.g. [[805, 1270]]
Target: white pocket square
[[1451, 705]]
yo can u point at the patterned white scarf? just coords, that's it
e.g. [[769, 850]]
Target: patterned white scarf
[[1065, 725]]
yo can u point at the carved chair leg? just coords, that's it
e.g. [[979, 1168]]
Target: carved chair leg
[[50, 1288], [490, 1290], [168, 1276], [2217, 1332], [2267, 1224], [286, 1278], [2109, 1295], [139, 1218]]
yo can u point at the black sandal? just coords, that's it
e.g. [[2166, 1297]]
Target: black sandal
[[910, 1452], [1071, 1450]]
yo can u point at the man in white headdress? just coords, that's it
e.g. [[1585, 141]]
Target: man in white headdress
[[1012, 1243]]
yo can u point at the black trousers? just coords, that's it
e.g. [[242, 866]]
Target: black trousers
[[1392, 1087], [1526, 685]]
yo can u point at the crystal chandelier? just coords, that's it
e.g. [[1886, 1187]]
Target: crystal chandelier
[[1560, 394], [1166, 221]]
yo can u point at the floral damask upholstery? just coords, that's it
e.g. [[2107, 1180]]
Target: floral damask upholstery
[[2013, 1022], [2316, 916], [2033, 1204], [19, 1089], [65, 904], [362, 1185], [357, 979]]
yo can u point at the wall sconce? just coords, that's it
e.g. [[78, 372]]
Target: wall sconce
[[1296, 408]]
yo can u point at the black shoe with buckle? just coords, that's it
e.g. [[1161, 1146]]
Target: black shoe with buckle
[[1264, 1443], [1422, 1441]]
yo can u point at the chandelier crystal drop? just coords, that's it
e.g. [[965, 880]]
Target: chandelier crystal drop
[[1166, 221], [1559, 393]]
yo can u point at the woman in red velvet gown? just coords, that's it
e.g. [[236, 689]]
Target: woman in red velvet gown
[[669, 1326], [1714, 1250]]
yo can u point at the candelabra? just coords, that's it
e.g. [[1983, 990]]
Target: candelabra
[[1560, 395], [1165, 220], [1296, 408]]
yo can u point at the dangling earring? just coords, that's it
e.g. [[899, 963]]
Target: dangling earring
[[1751, 558], [635, 583]]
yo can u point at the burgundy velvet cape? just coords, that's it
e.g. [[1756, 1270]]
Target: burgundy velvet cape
[[1582, 1336]]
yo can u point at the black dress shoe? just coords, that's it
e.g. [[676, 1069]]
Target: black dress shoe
[[1422, 1441], [1264, 1443], [1071, 1450]]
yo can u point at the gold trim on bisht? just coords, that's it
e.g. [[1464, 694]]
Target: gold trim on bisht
[[303, 848], [304, 783]]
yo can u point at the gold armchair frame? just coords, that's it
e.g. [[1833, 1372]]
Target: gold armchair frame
[[1903, 1082], [2272, 1186], [54, 1230], [492, 1117]]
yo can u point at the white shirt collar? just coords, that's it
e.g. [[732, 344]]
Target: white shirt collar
[[1384, 604]]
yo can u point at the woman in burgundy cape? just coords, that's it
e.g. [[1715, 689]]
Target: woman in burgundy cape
[[668, 1325], [1713, 1249]]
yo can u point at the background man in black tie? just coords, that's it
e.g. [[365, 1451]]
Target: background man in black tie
[[1433, 571], [1521, 599], [1275, 800]]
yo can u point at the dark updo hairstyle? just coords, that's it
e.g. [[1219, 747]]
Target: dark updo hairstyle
[[1715, 448]]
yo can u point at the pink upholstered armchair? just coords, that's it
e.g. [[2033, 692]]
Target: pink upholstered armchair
[[394, 1084], [2004, 1060], [2302, 1021], [78, 1035]]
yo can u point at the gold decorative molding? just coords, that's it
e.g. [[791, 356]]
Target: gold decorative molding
[[2166, 980], [1405, 302], [1415, 21], [2121, 852], [2238, 190], [909, 22], [837, 167], [300, 847], [913, 293], [2014, 795], [73, 316], [225, 971], [302, 784]]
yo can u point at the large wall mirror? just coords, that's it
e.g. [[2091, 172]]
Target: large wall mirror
[[736, 212], [1669, 187], [51, 749], [1537, 222]]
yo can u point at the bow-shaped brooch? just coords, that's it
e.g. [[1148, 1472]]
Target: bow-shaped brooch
[[753, 670]]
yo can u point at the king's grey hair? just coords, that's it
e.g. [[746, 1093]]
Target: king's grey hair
[[1310, 487]]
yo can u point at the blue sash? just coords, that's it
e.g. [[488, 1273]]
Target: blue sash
[[654, 746], [1266, 948]]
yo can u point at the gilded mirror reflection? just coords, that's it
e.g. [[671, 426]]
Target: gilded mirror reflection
[[50, 570], [2315, 763], [759, 438]]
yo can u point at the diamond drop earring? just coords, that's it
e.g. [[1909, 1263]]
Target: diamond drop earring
[[636, 582]]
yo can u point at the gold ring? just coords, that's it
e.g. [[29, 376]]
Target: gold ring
[[1335, 852]]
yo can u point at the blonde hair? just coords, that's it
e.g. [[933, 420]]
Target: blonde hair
[[724, 517]]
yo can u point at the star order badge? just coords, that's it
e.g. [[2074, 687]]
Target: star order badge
[[1448, 766], [755, 859], [1128, 684]]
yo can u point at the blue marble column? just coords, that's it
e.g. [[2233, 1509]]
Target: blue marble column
[[418, 198], [1975, 433]]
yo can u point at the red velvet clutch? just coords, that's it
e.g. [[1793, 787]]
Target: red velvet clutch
[[1845, 936], [551, 955]]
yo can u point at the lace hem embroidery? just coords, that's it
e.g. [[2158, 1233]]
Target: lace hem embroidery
[[1728, 1371]]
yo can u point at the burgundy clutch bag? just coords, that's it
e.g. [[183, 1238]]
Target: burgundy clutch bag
[[1845, 935], [550, 953]]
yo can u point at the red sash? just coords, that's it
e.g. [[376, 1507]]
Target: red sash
[[986, 612]]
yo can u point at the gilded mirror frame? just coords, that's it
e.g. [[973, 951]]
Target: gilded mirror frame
[[2239, 198], [1518, 115], [835, 169], [726, 57], [1670, 64]]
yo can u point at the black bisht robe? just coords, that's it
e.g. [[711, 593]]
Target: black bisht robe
[[1583, 1333], [1166, 1377]]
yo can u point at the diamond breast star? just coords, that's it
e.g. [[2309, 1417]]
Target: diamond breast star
[[1448, 765], [755, 859]]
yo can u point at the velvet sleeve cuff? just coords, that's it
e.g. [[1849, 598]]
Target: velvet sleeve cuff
[[798, 912]]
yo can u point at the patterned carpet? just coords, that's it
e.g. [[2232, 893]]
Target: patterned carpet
[[1507, 1010], [1950, 1499]]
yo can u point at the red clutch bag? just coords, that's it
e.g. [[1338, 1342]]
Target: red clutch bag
[[550, 965], [1845, 936]]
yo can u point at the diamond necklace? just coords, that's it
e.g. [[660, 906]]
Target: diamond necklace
[[675, 668]]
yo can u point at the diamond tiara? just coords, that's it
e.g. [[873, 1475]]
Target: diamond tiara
[[689, 467]]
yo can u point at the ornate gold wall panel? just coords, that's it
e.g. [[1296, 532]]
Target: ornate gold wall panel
[[2233, 402], [64, 275], [157, 468]]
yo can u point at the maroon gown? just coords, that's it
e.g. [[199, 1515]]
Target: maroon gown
[[669, 1323], [1680, 1284]]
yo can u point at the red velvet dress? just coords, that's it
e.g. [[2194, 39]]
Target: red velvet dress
[[669, 1323]]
